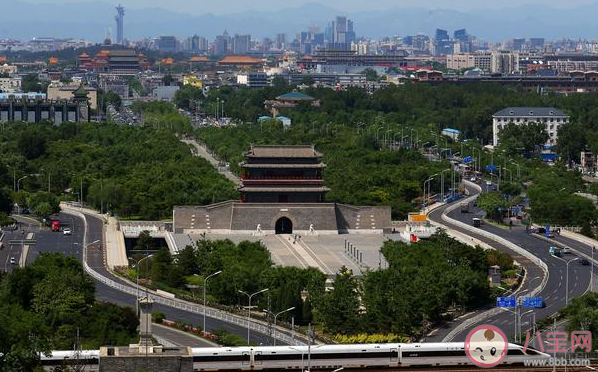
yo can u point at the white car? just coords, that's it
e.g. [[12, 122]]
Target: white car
[[488, 183], [67, 232], [13, 261]]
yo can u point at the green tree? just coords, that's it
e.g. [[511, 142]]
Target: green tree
[[493, 204], [338, 310], [371, 74], [522, 138], [572, 141]]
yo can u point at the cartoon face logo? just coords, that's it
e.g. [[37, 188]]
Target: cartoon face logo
[[486, 346]]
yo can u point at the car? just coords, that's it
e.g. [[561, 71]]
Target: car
[[67, 232], [584, 262], [473, 179], [488, 183], [567, 250], [13, 261]]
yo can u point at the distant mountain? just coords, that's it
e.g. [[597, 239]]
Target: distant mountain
[[92, 20]]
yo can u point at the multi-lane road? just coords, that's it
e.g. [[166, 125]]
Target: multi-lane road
[[554, 291], [48, 241]]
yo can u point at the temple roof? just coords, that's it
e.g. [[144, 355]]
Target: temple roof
[[298, 151], [232, 59], [283, 189], [282, 165]]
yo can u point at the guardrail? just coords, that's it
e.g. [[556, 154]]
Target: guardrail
[[478, 318], [184, 305]]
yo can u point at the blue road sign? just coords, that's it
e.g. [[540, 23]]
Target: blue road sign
[[467, 160], [506, 302], [531, 301], [491, 168]]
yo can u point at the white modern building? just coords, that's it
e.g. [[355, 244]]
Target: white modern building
[[550, 116]]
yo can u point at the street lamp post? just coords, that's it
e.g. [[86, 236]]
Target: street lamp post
[[250, 296], [101, 194], [14, 177], [567, 277], [518, 168], [428, 182], [19, 181], [138, 266], [205, 285], [276, 315], [442, 183]]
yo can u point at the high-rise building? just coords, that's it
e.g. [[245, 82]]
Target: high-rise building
[[518, 44], [120, 17], [167, 44], [281, 40], [443, 44], [461, 35], [340, 34], [241, 44], [221, 45], [537, 43]]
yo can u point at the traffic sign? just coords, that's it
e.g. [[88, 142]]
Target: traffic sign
[[491, 168], [467, 160], [506, 302], [531, 302]]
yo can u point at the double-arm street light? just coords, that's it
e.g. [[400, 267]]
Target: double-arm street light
[[567, 262], [138, 267], [205, 285], [250, 296], [276, 316]]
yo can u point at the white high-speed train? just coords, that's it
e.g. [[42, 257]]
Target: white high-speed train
[[320, 357]]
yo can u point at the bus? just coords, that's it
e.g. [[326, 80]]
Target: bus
[[55, 225]]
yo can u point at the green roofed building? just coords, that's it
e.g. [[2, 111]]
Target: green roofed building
[[289, 100]]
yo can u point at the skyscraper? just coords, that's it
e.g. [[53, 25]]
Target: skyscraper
[[339, 34], [241, 44], [443, 44], [120, 17]]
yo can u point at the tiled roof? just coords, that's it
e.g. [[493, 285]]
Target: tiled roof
[[240, 60], [283, 189], [282, 165], [529, 111], [199, 59], [300, 151], [295, 96]]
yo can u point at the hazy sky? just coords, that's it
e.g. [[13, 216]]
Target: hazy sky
[[231, 6]]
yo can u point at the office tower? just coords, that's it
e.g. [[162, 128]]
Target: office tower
[[167, 44], [443, 44], [537, 43], [281, 40], [241, 44], [120, 16], [518, 44], [461, 35], [339, 34], [221, 45]]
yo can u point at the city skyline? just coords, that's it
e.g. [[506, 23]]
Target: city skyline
[[97, 19]]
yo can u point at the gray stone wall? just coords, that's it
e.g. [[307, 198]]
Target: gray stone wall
[[237, 216], [246, 216]]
